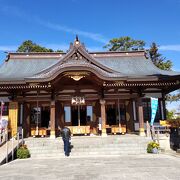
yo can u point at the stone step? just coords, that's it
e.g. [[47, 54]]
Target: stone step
[[88, 150], [120, 146], [88, 146], [73, 154], [85, 142], [90, 139], [54, 151], [87, 139], [89, 153]]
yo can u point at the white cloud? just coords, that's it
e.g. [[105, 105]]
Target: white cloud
[[8, 48], [94, 36], [62, 46], [170, 47], [14, 11], [94, 49], [173, 106], [65, 47], [54, 26], [176, 69]]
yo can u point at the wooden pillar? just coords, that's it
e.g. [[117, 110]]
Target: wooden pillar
[[26, 120], [103, 117], [96, 111], [59, 114], [129, 116], [13, 117], [52, 119], [164, 105], [21, 113], [161, 109], [141, 117]]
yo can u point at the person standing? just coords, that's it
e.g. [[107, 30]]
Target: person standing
[[66, 136]]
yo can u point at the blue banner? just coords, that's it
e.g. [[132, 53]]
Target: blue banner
[[154, 106]]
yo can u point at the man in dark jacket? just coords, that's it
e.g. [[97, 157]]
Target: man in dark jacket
[[66, 136]]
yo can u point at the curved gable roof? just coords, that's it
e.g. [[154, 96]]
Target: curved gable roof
[[77, 59], [107, 65]]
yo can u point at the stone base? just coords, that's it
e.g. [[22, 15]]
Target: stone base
[[141, 132], [52, 136], [104, 134], [164, 142]]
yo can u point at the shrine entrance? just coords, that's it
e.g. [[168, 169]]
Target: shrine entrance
[[78, 115]]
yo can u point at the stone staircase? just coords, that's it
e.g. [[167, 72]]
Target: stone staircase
[[88, 146]]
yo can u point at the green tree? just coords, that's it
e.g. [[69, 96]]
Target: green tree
[[173, 97], [29, 46], [169, 114], [124, 43], [158, 59]]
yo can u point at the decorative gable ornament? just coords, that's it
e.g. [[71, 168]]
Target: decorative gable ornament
[[77, 100], [76, 76]]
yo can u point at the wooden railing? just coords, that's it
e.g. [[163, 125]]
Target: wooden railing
[[9, 145], [156, 130]]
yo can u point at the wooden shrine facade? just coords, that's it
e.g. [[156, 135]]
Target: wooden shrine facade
[[102, 92]]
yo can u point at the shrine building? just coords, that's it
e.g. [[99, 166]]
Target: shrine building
[[90, 92]]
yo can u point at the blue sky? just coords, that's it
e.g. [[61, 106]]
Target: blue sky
[[55, 23]]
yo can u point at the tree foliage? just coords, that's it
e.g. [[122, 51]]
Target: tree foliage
[[124, 43], [169, 114], [158, 59], [173, 97], [29, 46], [175, 123]]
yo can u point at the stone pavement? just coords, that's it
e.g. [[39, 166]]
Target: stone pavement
[[129, 167]]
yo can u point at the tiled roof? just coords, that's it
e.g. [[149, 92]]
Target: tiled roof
[[21, 66], [72, 65], [18, 69], [139, 65]]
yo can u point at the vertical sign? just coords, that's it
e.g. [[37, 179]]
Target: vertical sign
[[13, 117], [154, 105]]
